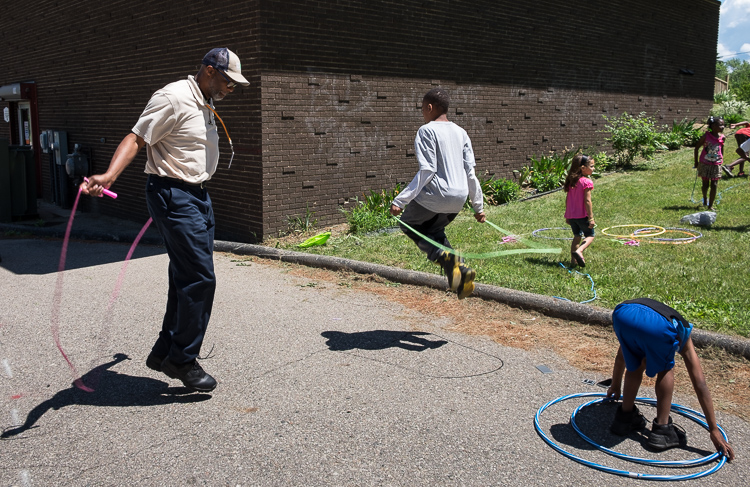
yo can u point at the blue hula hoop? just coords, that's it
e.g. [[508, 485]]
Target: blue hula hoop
[[593, 289], [682, 410]]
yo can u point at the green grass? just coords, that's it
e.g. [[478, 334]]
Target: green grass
[[705, 280]]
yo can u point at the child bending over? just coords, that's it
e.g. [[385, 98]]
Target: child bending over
[[650, 333], [742, 136]]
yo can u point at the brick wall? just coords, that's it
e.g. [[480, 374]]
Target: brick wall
[[330, 138], [333, 105], [342, 85], [96, 65]]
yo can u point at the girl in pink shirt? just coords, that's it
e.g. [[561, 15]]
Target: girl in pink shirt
[[711, 158], [579, 213]]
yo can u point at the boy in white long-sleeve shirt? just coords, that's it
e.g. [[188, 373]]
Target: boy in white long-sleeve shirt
[[439, 190]]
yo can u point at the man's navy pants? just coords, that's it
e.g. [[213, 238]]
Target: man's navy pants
[[185, 218]]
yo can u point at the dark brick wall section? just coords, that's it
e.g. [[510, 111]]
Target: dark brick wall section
[[96, 64], [331, 138], [634, 46], [333, 106]]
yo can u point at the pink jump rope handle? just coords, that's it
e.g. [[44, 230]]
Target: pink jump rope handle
[[109, 193]]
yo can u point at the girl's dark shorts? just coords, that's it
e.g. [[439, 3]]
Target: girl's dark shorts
[[580, 227]]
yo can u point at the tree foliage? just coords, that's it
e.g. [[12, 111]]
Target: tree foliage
[[739, 77]]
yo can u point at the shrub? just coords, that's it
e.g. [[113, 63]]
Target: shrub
[[547, 172], [373, 213], [722, 97], [603, 162], [499, 191], [302, 224], [687, 131], [732, 111], [632, 137]]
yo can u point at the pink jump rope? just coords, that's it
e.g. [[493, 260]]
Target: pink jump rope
[[58, 288], [115, 293], [109, 193]]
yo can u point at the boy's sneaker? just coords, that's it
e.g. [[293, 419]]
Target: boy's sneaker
[[727, 171], [624, 422], [449, 263], [466, 286], [666, 436]]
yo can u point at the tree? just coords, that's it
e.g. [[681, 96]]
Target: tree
[[739, 78], [721, 69]]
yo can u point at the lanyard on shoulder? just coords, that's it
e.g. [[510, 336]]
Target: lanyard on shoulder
[[225, 131]]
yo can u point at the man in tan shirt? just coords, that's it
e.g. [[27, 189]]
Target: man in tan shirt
[[178, 128]]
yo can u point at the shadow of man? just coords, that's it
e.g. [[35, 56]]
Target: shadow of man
[[379, 340], [112, 390]]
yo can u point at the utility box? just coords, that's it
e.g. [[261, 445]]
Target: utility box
[[62, 192], [22, 181], [6, 201], [17, 182]]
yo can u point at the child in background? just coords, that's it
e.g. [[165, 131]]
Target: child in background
[[579, 213], [439, 190], [650, 333], [711, 158], [742, 136]]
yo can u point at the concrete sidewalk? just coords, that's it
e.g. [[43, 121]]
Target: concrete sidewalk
[[319, 384]]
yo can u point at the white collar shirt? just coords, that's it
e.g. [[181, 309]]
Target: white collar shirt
[[180, 133]]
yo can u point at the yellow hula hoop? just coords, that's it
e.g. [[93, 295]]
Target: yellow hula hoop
[[634, 235]]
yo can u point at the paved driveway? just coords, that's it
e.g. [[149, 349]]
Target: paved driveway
[[319, 384]]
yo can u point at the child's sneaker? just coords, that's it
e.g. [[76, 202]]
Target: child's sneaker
[[666, 436], [449, 263], [727, 171], [466, 287], [624, 422]]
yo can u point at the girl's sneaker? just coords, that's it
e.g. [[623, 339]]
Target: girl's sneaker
[[727, 171]]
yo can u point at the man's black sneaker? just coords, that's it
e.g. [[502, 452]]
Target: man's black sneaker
[[449, 263], [666, 436], [466, 286], [154, 361], [191, 374], [624, 422]]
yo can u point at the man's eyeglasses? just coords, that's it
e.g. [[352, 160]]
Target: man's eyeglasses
[[230, 83]]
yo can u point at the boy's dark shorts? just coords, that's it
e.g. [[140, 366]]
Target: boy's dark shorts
[[741, 139], [580, 227], [642, 332]]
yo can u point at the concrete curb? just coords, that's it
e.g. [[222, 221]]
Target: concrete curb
[[549, 306]]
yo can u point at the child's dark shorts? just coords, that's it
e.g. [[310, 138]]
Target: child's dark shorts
[[644, 333], [741, 139], [580, 227]]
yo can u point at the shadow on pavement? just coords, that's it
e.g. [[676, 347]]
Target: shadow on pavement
[[40, 256], [594, 421], [379, 340], [110, 390]]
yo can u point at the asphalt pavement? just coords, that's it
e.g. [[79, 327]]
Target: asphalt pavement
[[319, 385]]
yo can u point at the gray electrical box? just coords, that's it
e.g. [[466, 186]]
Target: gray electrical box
[[62, 192]]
